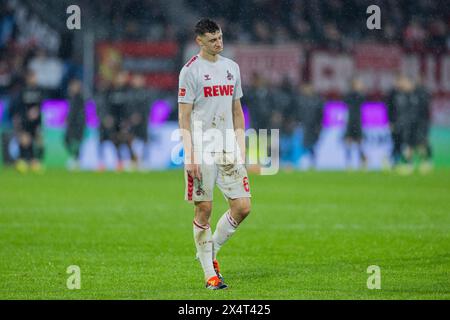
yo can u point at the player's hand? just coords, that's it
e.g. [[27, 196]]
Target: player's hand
[[242, 160], [194, 171]]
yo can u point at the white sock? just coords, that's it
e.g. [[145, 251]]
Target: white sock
[[224, 230], [204, 245]]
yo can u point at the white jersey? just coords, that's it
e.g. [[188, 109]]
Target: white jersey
[[211, 87]]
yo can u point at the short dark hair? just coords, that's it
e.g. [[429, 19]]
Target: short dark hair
[[206, 25]]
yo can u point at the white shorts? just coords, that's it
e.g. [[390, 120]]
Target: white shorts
[[232, 180]]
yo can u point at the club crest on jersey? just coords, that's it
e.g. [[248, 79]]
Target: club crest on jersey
[[229, 75], [200, 191], [207, 77]]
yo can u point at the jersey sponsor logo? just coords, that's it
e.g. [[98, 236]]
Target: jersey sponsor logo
[[219, 90], [191, 61], [207, 77], [182, 92], [246, 185]]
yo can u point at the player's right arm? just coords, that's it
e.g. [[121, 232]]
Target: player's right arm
[[184, 120], [186, 99]]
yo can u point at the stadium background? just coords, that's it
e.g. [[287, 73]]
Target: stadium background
[[308, 41], [311, 234]]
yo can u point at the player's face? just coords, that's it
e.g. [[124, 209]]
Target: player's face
[[212, 42], [358, 85], [121, 79], [138, 81], [75, 87], [32, 79]]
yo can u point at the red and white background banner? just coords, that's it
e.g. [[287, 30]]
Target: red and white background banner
[[274, 63], [331, 71], [378, 65], [157, 61]]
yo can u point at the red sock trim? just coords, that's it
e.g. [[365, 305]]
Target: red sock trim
[[230, 219], [205, 227]]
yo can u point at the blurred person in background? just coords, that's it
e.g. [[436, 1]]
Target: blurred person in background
[[423, 126], [282, 118], [310, 114], [48, 69], [353, 133], [394, 123], [76, 123], [407, 105], [26, 115], [8, 24], [259, 101], [139, 109], [106, 121], [403, 115], [117, 100]]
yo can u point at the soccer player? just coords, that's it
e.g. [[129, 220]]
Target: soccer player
[[76, 123], [394, 121], [353, 133], [310, 114], [209, 98], [138, 109], [423, 126], [259, 99], [415, 114], [106, 130], [26, 114], [118, 97]]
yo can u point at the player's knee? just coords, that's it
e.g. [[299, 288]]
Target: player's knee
[[203, 212], [244, 210]]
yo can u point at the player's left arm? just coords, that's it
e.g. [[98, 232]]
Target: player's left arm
[[239, 126]]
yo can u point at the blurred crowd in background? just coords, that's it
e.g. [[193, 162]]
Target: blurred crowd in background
[[332, 23], [287, 107], [32, 70]]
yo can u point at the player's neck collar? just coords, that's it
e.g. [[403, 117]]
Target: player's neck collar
[[210, 61]]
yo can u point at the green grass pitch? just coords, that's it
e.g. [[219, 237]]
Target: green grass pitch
[[311, 235]]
